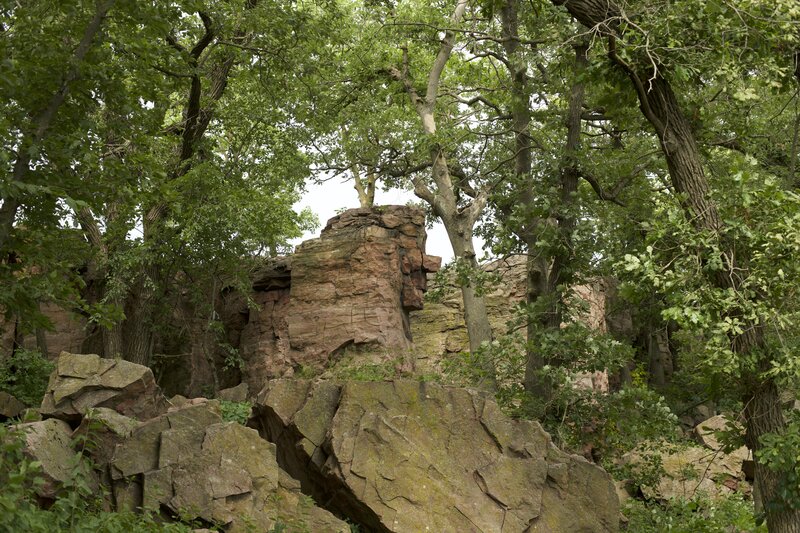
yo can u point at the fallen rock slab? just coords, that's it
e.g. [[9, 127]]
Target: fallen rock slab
[[708, 432], [80, 382], [408, 456]]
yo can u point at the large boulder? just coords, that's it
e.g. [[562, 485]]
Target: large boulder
[[80, 382], [101, 429], [690, 471], [410, 456], [191, 463]]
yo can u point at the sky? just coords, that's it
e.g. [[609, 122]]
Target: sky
[[326, 198]]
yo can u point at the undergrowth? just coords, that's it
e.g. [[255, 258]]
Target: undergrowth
[[76, 509]]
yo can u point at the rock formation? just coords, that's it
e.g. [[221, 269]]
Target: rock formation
[[81, 382], [10, 407], [388, 456], [49, 442], [353, 286], [410, 456], [438, 330], [191, 463]]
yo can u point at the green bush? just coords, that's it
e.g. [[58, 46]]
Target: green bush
[[235, 411], [692, 516], [24, 375]]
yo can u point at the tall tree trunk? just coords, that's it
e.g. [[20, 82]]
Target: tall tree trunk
[[476, 317], [763, 414], [459, 220], [41, 123]]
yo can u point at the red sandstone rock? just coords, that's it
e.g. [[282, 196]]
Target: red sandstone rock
[[352, 286]]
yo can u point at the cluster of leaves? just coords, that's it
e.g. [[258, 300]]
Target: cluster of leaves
[[235, 411], [700, 515], [25, 376], [763, 224], [780, 454]]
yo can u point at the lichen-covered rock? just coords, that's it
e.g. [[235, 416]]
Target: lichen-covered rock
[[410, 456], [190, 462], [708, 434], [234, 394], [439, 330], [10, 407], [50, 443], [102, 429], [80, 382]]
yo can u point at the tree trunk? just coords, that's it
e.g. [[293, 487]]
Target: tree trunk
[[660, 107], [475, 314], [138, 326], [458, 220]]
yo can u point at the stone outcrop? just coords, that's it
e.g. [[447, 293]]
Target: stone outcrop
[[689, 471], [352, 287], [190, 462], [439, 330], [410, 456], [81, 382], [234, 394]]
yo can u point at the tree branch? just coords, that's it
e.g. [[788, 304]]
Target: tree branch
[[598, 189]]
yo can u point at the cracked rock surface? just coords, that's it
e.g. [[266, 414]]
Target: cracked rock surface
[[406, 456], [81, 382], [189, 462]]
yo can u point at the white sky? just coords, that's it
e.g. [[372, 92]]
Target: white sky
[[326, 198]]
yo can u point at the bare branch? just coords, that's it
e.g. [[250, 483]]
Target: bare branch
[[591, 180]]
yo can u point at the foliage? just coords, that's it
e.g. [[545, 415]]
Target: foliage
[[24, 375], [616, 423], [505, 356], [77, 508], [763, 221], [780, 454], [235, 411], [701, 515]]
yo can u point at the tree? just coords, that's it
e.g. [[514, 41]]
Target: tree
[[164, 186], [661, 107]]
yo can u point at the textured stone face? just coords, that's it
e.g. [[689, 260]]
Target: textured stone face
[[10, 407], [50, 443], [409, 456], [190, 462], [439, 330], [353, 286], [81, 382]]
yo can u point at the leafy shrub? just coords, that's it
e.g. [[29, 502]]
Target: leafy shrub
[[692, 516], [235, 411], [24, 375]]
